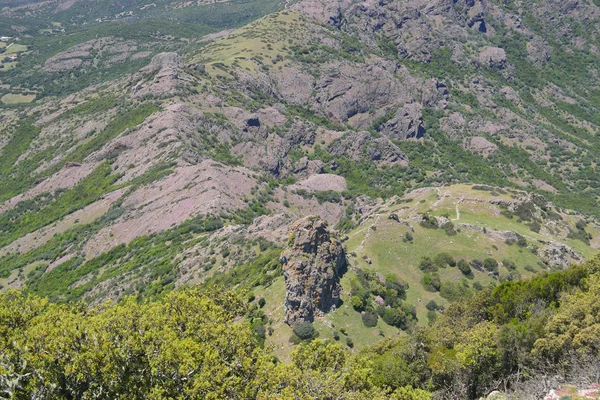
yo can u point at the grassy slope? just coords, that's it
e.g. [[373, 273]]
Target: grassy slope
[[389, 253]]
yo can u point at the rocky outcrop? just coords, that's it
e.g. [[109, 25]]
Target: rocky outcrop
[[406, 124], [493, 57], [538, 51], [360, 145], [323, 10], [346, 90], [560, 255], [164, 76], [481, 145], [311, 266]]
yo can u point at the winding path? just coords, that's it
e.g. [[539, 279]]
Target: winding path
[[368, 233]]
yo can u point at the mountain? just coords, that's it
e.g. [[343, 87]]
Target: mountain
[[450, 146]]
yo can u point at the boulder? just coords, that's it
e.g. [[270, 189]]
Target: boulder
[[493, 57], [481, 145]]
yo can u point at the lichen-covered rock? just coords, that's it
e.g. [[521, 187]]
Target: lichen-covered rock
[[481, 145], [493, 57], [311, 266]]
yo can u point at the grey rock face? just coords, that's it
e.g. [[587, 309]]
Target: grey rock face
[[360, 145], [406, 124], [311, 266]]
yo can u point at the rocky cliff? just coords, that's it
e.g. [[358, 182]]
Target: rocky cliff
[[311, 266]]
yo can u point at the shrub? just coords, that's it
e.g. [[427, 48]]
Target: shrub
[[432, 305], [490, 264], [465, 268], [304, 330], [260, 331], [529, 268], [262, 302], [369, 319], [428, 222], [427, 265], [443, 260], [509, 264], [477, 264], [392, 282], [535, 226], [431, 316], [448, 227], [521, 241], [409, 310], [408, 237], [455, 291], [349, 342], [432, 282]]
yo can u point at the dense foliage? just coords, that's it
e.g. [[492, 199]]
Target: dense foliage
[[189, 345], [199, 344], [511, 337]]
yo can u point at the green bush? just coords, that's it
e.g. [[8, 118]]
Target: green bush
[[369, 319], [432, 305], [465, 268], [490, 264], [432, 282], [395, 317], [357, 303], [304, 330], [443, 260], [428, 265]]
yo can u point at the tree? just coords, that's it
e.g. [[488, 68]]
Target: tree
[[432, 282], [135, 351], [357, 303], [432, 305], [576, 327], [262, 302], [395, 317]]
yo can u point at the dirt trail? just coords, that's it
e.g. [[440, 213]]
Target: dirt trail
[[377, 216], [458, 209]]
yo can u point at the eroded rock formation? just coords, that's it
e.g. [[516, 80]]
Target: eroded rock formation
[[311, 266]]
